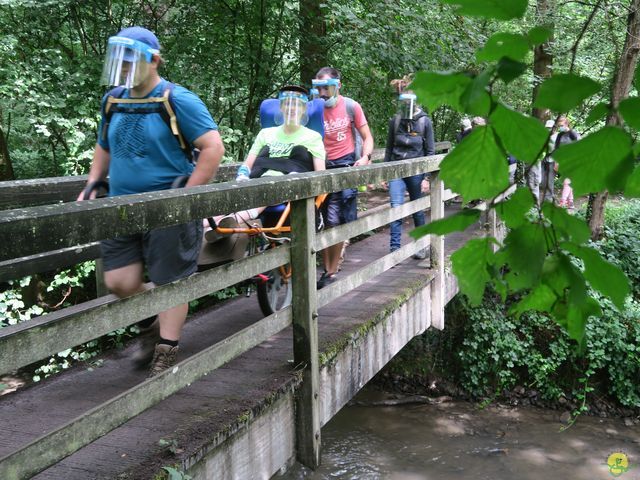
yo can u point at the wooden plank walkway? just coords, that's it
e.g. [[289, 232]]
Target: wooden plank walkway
[[209, 407]]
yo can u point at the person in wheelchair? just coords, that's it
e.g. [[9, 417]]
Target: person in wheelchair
[[290, 147]]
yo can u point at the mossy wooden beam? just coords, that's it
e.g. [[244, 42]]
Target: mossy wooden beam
[[383, 216], [41, 337], [363, 275], [305, 331], [55, 446], [45, 191], [437, 254], [32, 230], [43, 262]]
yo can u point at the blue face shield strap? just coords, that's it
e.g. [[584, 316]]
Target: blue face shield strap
[[297, 95], [407, 96], [325, 83], [141, 47]]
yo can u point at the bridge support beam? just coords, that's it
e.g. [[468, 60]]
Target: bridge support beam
[[437, 254], [305, 331]]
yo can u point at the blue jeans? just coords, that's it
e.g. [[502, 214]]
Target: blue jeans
[[397, 189]]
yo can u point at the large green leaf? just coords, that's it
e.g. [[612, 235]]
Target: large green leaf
[[436, 89], [540, 299], [477, 168], [498, 9], [522, 136], [503, 44], [563, 92], [524, 253], [595, 162], [630, 110], [597, 113], [566, 226], [602, 275], [633, 184], [539, 35], [508, 70], [454, 223], [469, 264], [513, 210], [577, 316], [475, 100]]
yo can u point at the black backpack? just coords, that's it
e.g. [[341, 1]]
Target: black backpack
[[420, 126]]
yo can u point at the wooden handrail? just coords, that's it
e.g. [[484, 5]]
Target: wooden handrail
[[46, 191], [52, 227]]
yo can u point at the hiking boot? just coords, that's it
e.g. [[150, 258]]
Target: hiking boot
[[164, 357], [420, 254], [147, 340], [326, 279]]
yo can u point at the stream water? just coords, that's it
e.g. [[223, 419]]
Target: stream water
[[459, 441]]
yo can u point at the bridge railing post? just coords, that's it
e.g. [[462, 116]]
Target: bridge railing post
[[305, 330], [436, 189]]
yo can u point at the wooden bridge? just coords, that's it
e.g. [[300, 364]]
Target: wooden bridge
[[250, 394]]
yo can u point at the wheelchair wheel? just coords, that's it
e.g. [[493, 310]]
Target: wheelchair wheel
[[275, 293]]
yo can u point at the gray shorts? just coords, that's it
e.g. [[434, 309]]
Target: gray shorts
[[169, 253]]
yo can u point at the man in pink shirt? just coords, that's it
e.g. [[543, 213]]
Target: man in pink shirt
[[343, 117]]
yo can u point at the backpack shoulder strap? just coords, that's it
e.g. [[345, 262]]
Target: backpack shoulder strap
[[107, 111], [357, 139], [348, 102], [421, 126], [396, 123]]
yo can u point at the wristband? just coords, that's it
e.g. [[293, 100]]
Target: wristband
[[243, 171]]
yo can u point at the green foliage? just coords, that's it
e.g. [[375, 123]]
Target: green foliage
[[463, 173], [459, 221], [498, 352], [564, 92], [511, 45], [523, 137], [621, 244], [471, 266], [596, 162], [544, 257], [173, 473], [501, 10]]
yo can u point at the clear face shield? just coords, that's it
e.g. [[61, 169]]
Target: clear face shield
[[327, 89], [293, 109], [407, 105], [126, 62]]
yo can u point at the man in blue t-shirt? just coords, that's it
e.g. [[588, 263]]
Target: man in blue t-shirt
[[140, 153]]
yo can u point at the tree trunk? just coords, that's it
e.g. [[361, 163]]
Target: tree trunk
[[542, 56], [313, 53], [6, 168], [619, 91]]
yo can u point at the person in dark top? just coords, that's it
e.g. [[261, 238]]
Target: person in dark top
[[410, 136]]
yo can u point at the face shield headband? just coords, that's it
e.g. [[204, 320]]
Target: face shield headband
[[327, 89], [407, 105], [126, 62], [293, 109]]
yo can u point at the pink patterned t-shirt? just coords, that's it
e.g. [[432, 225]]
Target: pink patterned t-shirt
[[338, 137]]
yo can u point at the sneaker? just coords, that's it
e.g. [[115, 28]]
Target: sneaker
[[164, 357], [420, 254], [146, 345], [212, 235], [326, 279]]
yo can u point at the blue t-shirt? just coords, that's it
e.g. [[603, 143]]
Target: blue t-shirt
[[145, 155]]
